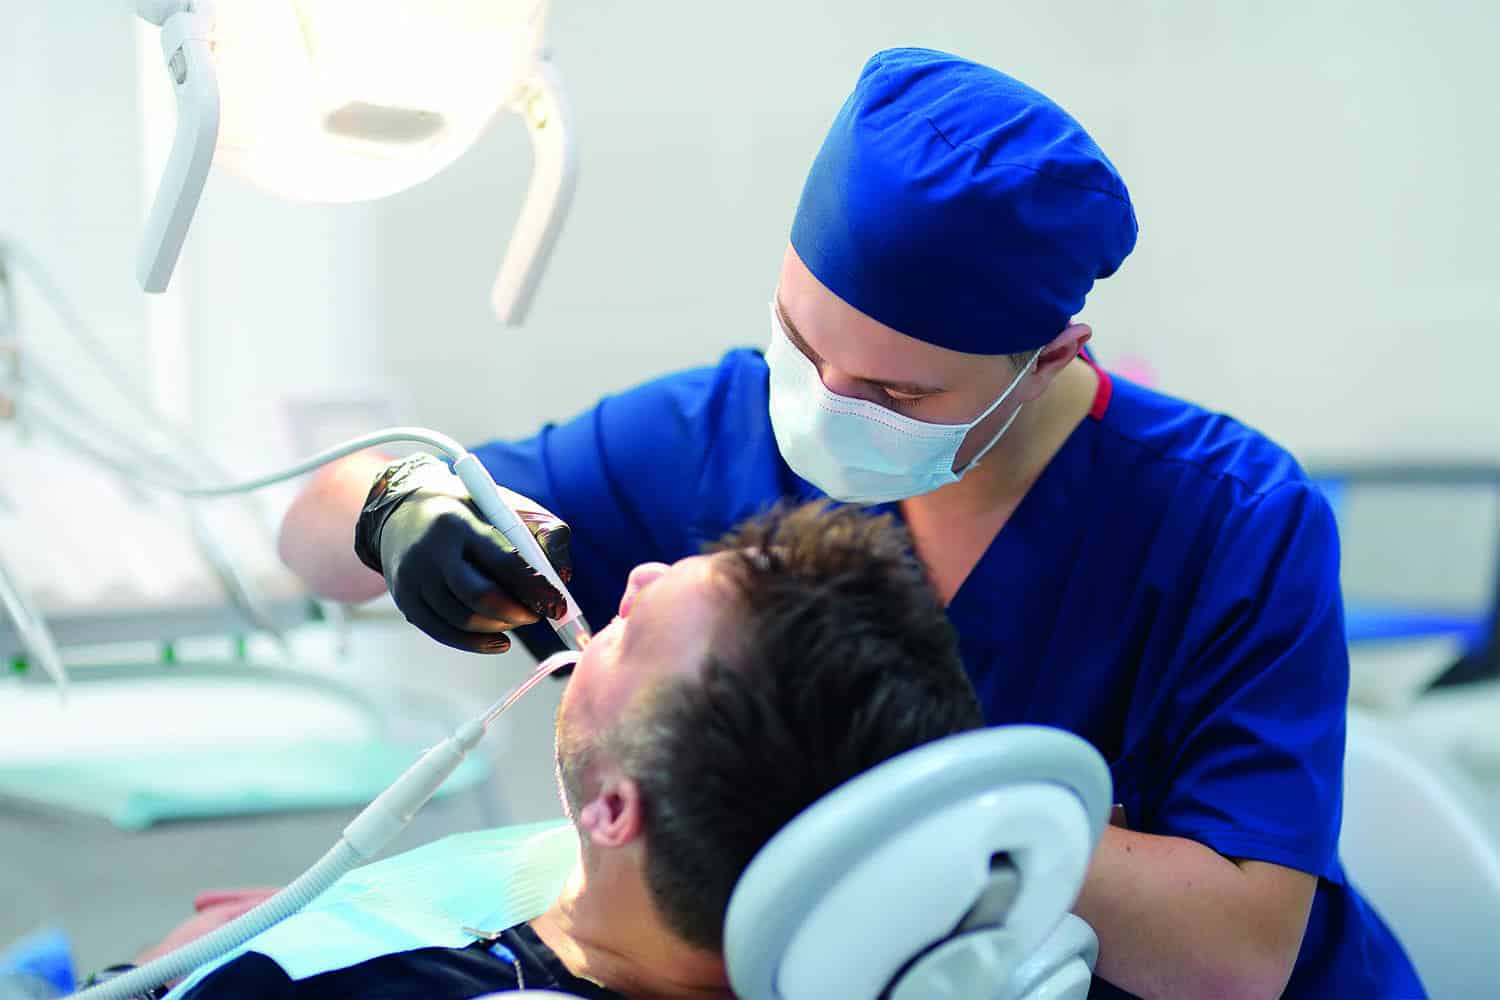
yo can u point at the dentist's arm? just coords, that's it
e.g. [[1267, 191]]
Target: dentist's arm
[[1176, 919], [366, 524], [1245, 756], [317, 532]]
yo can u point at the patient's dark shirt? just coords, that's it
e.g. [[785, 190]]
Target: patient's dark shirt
[[517, 959]]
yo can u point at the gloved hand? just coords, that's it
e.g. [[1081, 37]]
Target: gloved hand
[[452, 574]]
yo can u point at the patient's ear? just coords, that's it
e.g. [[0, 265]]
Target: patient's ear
[[613, 817]]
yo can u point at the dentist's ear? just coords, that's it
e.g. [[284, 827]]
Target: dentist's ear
[[1052, 359], [1064, 348], [613, 818]]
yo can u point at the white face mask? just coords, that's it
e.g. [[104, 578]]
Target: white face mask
[[855, 450]]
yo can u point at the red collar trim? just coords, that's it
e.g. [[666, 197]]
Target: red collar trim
[[1103, 391]]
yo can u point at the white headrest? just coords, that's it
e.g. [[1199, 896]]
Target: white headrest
[[889, 864]]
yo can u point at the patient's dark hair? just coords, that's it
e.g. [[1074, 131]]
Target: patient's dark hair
[[839, 657]]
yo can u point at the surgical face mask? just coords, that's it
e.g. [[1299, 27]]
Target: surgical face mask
[[858, 451]]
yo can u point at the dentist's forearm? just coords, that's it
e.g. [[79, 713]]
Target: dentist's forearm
[[317, 533], [1176, 919]]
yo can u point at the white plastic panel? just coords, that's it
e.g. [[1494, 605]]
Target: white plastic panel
[[916, 887]]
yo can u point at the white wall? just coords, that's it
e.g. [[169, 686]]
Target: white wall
[[70, 177], [1315, 183], [1319, 205], [281, 305], [1316, 186]]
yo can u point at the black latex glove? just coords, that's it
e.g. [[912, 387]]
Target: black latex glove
[[453, 575]]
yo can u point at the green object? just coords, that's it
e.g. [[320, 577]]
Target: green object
[[136, 790], [241, 647], [426, 898], [168, 653], [18, 665]]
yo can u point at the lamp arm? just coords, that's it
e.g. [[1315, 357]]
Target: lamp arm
[[185, 33], [543, 106]]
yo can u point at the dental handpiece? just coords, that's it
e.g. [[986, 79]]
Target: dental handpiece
[[571, 628]]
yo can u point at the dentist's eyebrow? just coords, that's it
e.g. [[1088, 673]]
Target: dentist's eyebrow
[[799, 342]]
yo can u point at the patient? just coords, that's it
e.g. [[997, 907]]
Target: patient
[[732, 691]]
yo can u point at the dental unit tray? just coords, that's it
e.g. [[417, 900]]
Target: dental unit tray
[[104, 563], [208, 752], [164, 625]]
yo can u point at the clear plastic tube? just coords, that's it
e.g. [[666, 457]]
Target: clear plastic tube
[[395, 435], [546, 668], [183, 454], [121, 448], [571, 627], [31, 629]]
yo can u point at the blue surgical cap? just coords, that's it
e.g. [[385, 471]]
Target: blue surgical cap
[[959, 206]]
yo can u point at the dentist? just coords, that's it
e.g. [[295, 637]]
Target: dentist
[[1156, 577]]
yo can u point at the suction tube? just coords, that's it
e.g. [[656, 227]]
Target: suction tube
[[364, 837], [572, 628]]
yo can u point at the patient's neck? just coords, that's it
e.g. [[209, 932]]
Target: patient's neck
[[605, 929]]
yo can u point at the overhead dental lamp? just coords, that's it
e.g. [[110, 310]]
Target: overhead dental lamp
[[352, 100]]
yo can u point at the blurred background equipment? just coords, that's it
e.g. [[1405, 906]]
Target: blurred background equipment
[[172, 616], [352, 100], [1445, 906], [1421, 571], [1317, 257]]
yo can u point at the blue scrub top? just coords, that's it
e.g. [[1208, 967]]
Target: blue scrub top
[[1168, 590]]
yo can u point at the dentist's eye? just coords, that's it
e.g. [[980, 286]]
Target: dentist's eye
[[902, 399]]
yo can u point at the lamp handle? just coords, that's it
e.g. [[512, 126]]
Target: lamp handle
[[189, 60], [543, 106]]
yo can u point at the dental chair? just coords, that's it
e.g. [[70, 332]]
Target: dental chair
[[946, 872], [1418, 841]]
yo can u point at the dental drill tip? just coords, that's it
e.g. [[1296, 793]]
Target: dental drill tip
[[575, 634]]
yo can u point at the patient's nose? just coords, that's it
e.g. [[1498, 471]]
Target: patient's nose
[[640, 578]]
